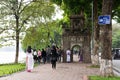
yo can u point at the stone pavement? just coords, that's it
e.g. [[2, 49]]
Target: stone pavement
[[116, 66], [64, 71]]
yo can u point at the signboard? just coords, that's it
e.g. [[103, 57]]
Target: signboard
[[104, 19]]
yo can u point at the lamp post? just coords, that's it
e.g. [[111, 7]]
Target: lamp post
[[92, 36]]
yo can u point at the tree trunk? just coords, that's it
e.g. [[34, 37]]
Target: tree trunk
[[96, 34], [17, 47], [17, 40], [17, 31], [106, 43], [86, 48]]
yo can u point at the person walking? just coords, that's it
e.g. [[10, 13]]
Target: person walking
[[68, 53], [53, 57], [29, 59], [48, 54], [80, 55], [35, 55], [39, 56], [44, 56], [59, 54]]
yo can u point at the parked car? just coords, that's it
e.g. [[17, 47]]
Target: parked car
[[116, 53]]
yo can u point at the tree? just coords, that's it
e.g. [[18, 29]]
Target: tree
[[21, 13], [97, 5], [75, 7], [43, 35], [96, 31], [106, 43]]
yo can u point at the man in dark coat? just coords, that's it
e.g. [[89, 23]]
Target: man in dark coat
[[53, 57], [43, 55]]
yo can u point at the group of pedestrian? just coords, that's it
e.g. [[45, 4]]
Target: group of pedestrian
[[68, 55], [39, 55], [49, 55]]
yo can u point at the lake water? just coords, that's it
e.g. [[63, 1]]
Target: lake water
[[7, 55]]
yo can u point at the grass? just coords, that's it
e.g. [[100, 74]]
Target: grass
[[103, 78], [6, 69], [94, 66]]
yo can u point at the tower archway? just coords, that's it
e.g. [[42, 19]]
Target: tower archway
[[76, 36], [75, 52]]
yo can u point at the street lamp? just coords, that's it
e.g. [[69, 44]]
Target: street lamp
[[92, 36]]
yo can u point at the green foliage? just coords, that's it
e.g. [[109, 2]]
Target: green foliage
[[116, 36], [74, 6], [17, 14], [103, 78], [66, 20], [26, 12], [44, 34], [6, 69], [116, 10], [116, 40], [58, 2]]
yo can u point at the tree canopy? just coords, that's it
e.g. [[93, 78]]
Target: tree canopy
[[28, 13], [75, 6], [17, 15], [43, 35]]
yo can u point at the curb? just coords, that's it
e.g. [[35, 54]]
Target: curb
[[116, 71]]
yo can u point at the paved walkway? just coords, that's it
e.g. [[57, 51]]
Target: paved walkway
[[64, 71]]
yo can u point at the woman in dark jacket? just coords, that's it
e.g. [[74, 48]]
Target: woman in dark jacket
[[43, 55], [53, 57]]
